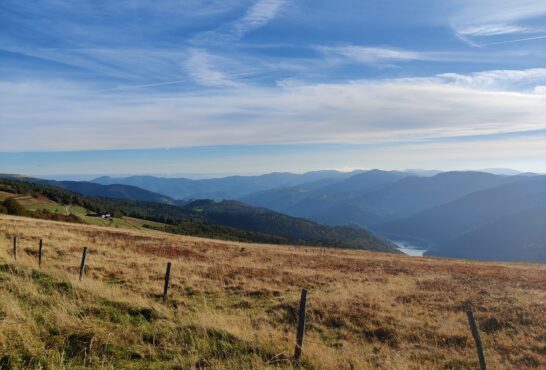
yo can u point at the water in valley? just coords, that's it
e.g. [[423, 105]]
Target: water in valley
[[409, 248]]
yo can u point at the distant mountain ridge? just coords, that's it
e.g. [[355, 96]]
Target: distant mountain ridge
[[231, 187], [375, 196], [441, 223], [330, 203], [519, 236]]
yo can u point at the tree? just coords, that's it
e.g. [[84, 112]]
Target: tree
[[13, 207]]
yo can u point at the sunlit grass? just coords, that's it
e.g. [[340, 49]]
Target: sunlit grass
[[233, 305]]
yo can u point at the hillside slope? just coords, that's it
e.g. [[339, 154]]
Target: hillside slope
[[413, 194], [310, 199], [375, 197], [294, 230], [234, 305], [228, 220], [441, 223], [519, 236], [109, 191]]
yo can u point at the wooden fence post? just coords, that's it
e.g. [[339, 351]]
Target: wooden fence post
[[82, 266], [14, 247], [40, 253], [166, 286], [476, 335], [301, 325]]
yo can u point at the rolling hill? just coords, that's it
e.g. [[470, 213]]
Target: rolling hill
[[439, 224], [308, 198], [294, 230], [110, 191], [97, 190], [376, 196], [225, 220], [519, 236], [234, 305], [413, 194]]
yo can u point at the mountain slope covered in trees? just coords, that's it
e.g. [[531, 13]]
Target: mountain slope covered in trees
[[519, 236], [438, 224], [375, 197], [227, 219]]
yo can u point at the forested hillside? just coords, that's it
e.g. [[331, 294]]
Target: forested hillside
[[441, 223], [519, 236], [226, 220]]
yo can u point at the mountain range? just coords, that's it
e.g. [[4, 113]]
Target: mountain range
[[435, 209], [375, 196], [447, 213], [231, 187]]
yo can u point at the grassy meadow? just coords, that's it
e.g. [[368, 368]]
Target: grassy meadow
[[234, 305], [41, 203]]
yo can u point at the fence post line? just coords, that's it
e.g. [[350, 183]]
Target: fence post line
[[82, 266], [14, 247], [476, 335], [166, 286], [40, 244], [301, 325]]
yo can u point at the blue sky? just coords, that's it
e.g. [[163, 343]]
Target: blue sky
[[207, 86]]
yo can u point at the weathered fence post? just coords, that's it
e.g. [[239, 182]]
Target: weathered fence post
[[476, 335], [14, 247], [301, 325], [166, 286], [82, 266], [40, 253]]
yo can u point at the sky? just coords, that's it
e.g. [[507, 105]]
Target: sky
[[178, 87]]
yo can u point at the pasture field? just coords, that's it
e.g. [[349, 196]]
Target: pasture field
[[234, 305], [33, 204]]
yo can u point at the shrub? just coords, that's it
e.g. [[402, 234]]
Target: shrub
[[13, 207]]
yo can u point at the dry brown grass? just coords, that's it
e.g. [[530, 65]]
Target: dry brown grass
[[5, 195], [233, 305], [39, 200], [25, 199]]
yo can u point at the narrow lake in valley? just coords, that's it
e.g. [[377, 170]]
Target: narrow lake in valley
[[409, 248]]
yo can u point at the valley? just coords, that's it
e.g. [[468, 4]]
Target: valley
[[445, 212]]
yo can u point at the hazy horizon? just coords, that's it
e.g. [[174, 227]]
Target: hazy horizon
[[201, 176]]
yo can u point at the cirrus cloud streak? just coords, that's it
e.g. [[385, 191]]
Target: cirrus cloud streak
[[62, 116]]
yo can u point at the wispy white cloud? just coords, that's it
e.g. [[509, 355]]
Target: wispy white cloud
[[488, 18], [203, 68], [494, 30], [513, 80], [516, 40], [54, 116], [370, 55], [258, 15], [120, 63]]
